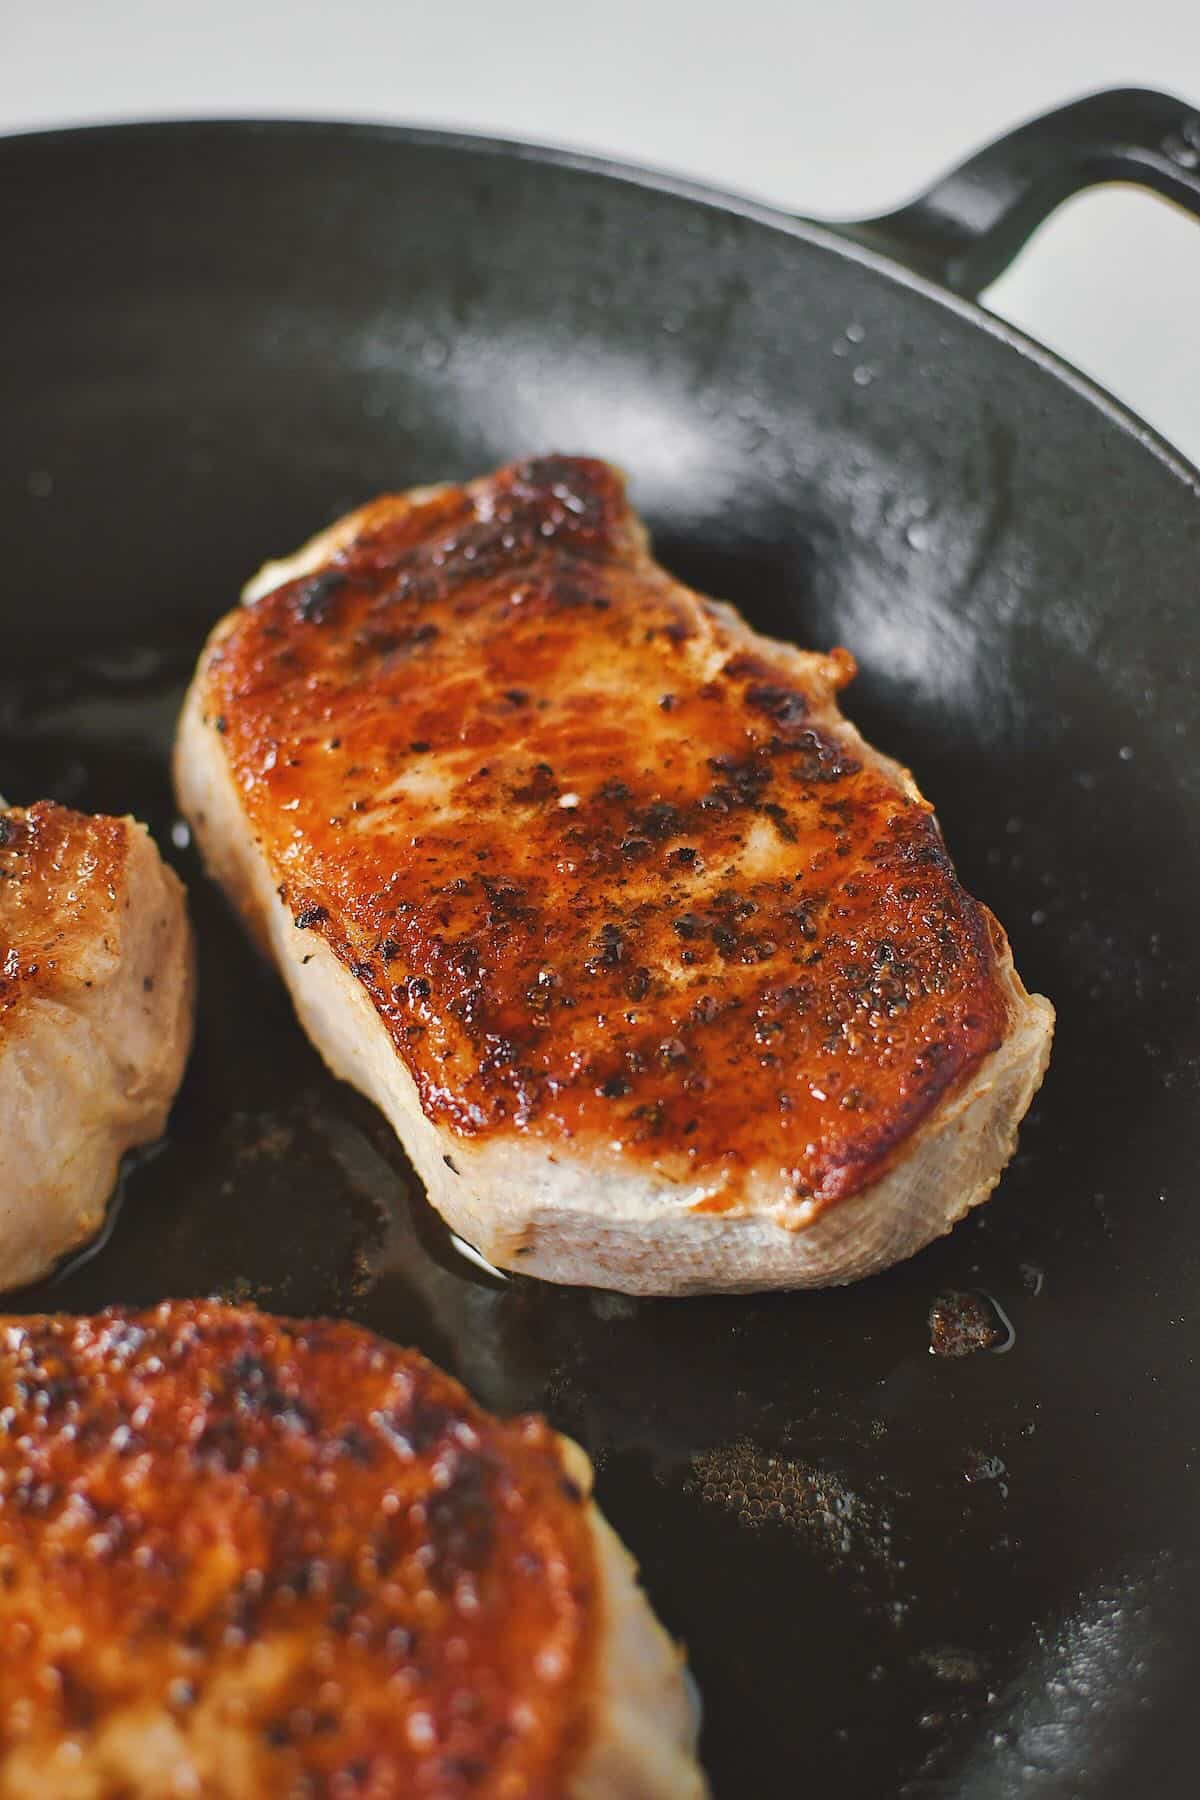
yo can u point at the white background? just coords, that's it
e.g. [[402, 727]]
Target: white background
[[827, 109]]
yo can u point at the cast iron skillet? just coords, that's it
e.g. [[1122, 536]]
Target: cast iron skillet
[[896, 1574]]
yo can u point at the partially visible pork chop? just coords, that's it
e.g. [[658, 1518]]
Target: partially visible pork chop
[[251, 1558], [662, 974], [96, 999]]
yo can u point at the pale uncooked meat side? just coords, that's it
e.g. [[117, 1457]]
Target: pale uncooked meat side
[[640, 1740]]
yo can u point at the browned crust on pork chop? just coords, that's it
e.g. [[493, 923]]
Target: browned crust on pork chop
[[246, 1555], [613, 870]]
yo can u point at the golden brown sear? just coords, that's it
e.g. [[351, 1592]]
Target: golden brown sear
[[58, 873], [598, 855], [246, 1556]]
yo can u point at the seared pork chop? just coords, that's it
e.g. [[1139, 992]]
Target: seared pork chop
[[246, 1556], [662, 974], [95, 1020]]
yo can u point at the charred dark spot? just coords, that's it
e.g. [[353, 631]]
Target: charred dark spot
[[451, 1164], [464, 960], [314, 601], [417, 988], [506, 900], [413, 1430], [461, 1521], [614, 1088], [801, 918], [222, 1444], [607, 950], [689, 925], [576, 590], [731, 905], [256, 1393], [683, 858], [540, 786], [651, 1116], [308, 916], [757, 950], [502, 1055], [584, 490], [658, 820], [355, 1444], [388, 949], [373, 642], [419, 746], [221, 725], [787, 706], [821, 760], [614, 793], [948, 945], [638, 984], [744, 778], [80, 1704]]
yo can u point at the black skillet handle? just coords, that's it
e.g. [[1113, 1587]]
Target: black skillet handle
[[969, 226]]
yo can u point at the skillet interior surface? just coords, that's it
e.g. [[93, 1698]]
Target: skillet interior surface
[[896, 1574]]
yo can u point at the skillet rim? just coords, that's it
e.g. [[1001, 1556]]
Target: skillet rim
[[827, 235]]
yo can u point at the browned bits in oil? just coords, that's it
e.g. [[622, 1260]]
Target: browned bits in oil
[[961, 1323], [555, 780]]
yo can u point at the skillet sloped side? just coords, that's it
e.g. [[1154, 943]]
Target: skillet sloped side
[[895, 1573]]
